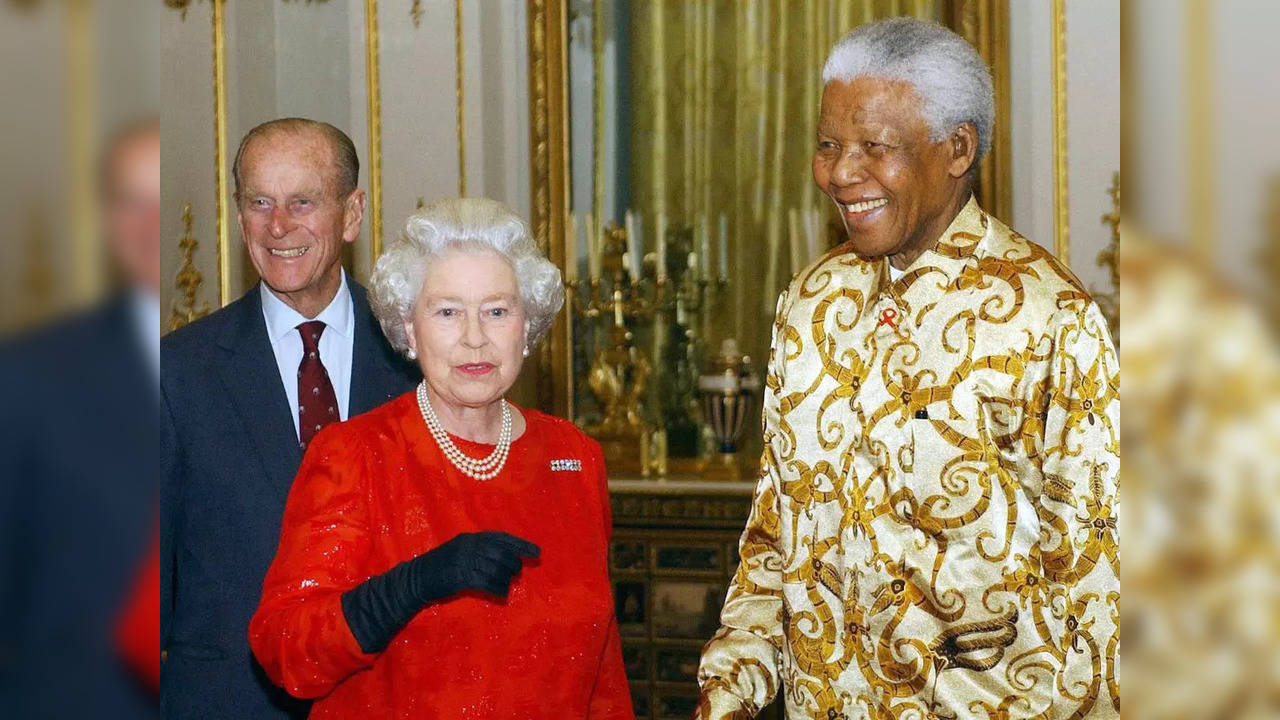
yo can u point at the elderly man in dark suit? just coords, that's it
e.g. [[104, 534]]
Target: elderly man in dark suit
[[244, 390], [78, 467]]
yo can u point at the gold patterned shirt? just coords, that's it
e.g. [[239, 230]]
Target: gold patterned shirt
[[934, 530]]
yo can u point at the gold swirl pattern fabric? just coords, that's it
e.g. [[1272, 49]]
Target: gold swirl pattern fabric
[[934, 530]]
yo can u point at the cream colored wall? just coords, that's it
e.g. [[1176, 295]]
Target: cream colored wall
[[32, 52], [1093, 126], [1235, 49], [72, 74], [309, 59], [187, 151]]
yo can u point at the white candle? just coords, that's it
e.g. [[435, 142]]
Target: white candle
[[773, 238], [633, 246], [723, 247], [704, 246], [637, 220], [661, 232], [571, 249], [815, 233], [593, 246], [807, 234], [793, 240]]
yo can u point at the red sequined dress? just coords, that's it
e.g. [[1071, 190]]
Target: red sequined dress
[[377, 490]]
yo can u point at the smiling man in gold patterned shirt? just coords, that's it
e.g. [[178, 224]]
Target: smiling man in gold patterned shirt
[[934, 530]]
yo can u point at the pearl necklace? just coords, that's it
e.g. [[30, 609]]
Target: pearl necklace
[[483, 469]]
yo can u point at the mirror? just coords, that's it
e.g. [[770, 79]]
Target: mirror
[[688, 204]]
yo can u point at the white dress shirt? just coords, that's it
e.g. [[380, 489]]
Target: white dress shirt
[[145, 309], [336, 343], [895, 274]]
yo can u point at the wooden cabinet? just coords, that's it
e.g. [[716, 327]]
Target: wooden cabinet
[[675, 547]]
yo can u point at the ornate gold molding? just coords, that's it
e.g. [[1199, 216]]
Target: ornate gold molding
[[189, 280], [221, 213], [82, 101], [416, 12], [375, 129], [1062, 217], [1109, 301], [1271, 253], [597, 119], [985, 24], [460, 86], [220, 150], [179, 5], [665, 510], [548, 128], [38, 274]]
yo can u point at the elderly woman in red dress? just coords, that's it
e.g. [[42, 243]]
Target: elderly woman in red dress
[[445, 556]]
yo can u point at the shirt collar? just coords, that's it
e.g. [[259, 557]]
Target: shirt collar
[[957, 249], [145, 306], [282, 319]]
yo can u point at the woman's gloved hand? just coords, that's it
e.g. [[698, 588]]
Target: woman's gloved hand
[[484, 561], [379, 607]]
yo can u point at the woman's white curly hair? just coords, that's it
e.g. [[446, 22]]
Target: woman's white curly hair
[[462, 224]]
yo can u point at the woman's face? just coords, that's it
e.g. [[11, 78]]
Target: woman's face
[[469, 328]]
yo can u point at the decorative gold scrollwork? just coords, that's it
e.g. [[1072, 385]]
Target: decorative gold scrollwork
[[179, 5], [1271, 252], [189, 278], [1109, 302]]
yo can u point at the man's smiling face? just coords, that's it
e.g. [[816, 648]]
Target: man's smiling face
[[896, 190], [294, 218]]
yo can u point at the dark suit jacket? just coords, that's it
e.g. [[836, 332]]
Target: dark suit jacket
[[229, 453], [78, 482]]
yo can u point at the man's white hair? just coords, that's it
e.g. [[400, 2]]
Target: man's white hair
[[469, 224], [952, 80]]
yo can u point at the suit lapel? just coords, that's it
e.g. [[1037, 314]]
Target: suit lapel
[[248, 370], [375, 377]]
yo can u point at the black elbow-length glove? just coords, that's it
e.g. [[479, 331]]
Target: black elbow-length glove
[[379, 607]]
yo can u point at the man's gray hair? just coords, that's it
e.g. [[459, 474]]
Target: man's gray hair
[[469, 224], [346, 164], [952, 80]]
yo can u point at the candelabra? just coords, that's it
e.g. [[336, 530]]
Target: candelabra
[[619, 374], [643, 428], [678, 344]]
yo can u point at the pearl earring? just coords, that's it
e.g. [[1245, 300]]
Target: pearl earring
[[526, 351], [411, 354]]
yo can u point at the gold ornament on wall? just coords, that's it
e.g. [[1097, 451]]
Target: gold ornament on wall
[[179, 5], [1271, 253], [189, 279], [38, 275], [1109, 302]]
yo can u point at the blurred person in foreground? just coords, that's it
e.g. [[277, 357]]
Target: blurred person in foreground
[[933, 533], [244, 390], [1201, 430], [77, 456], [446, 554]]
